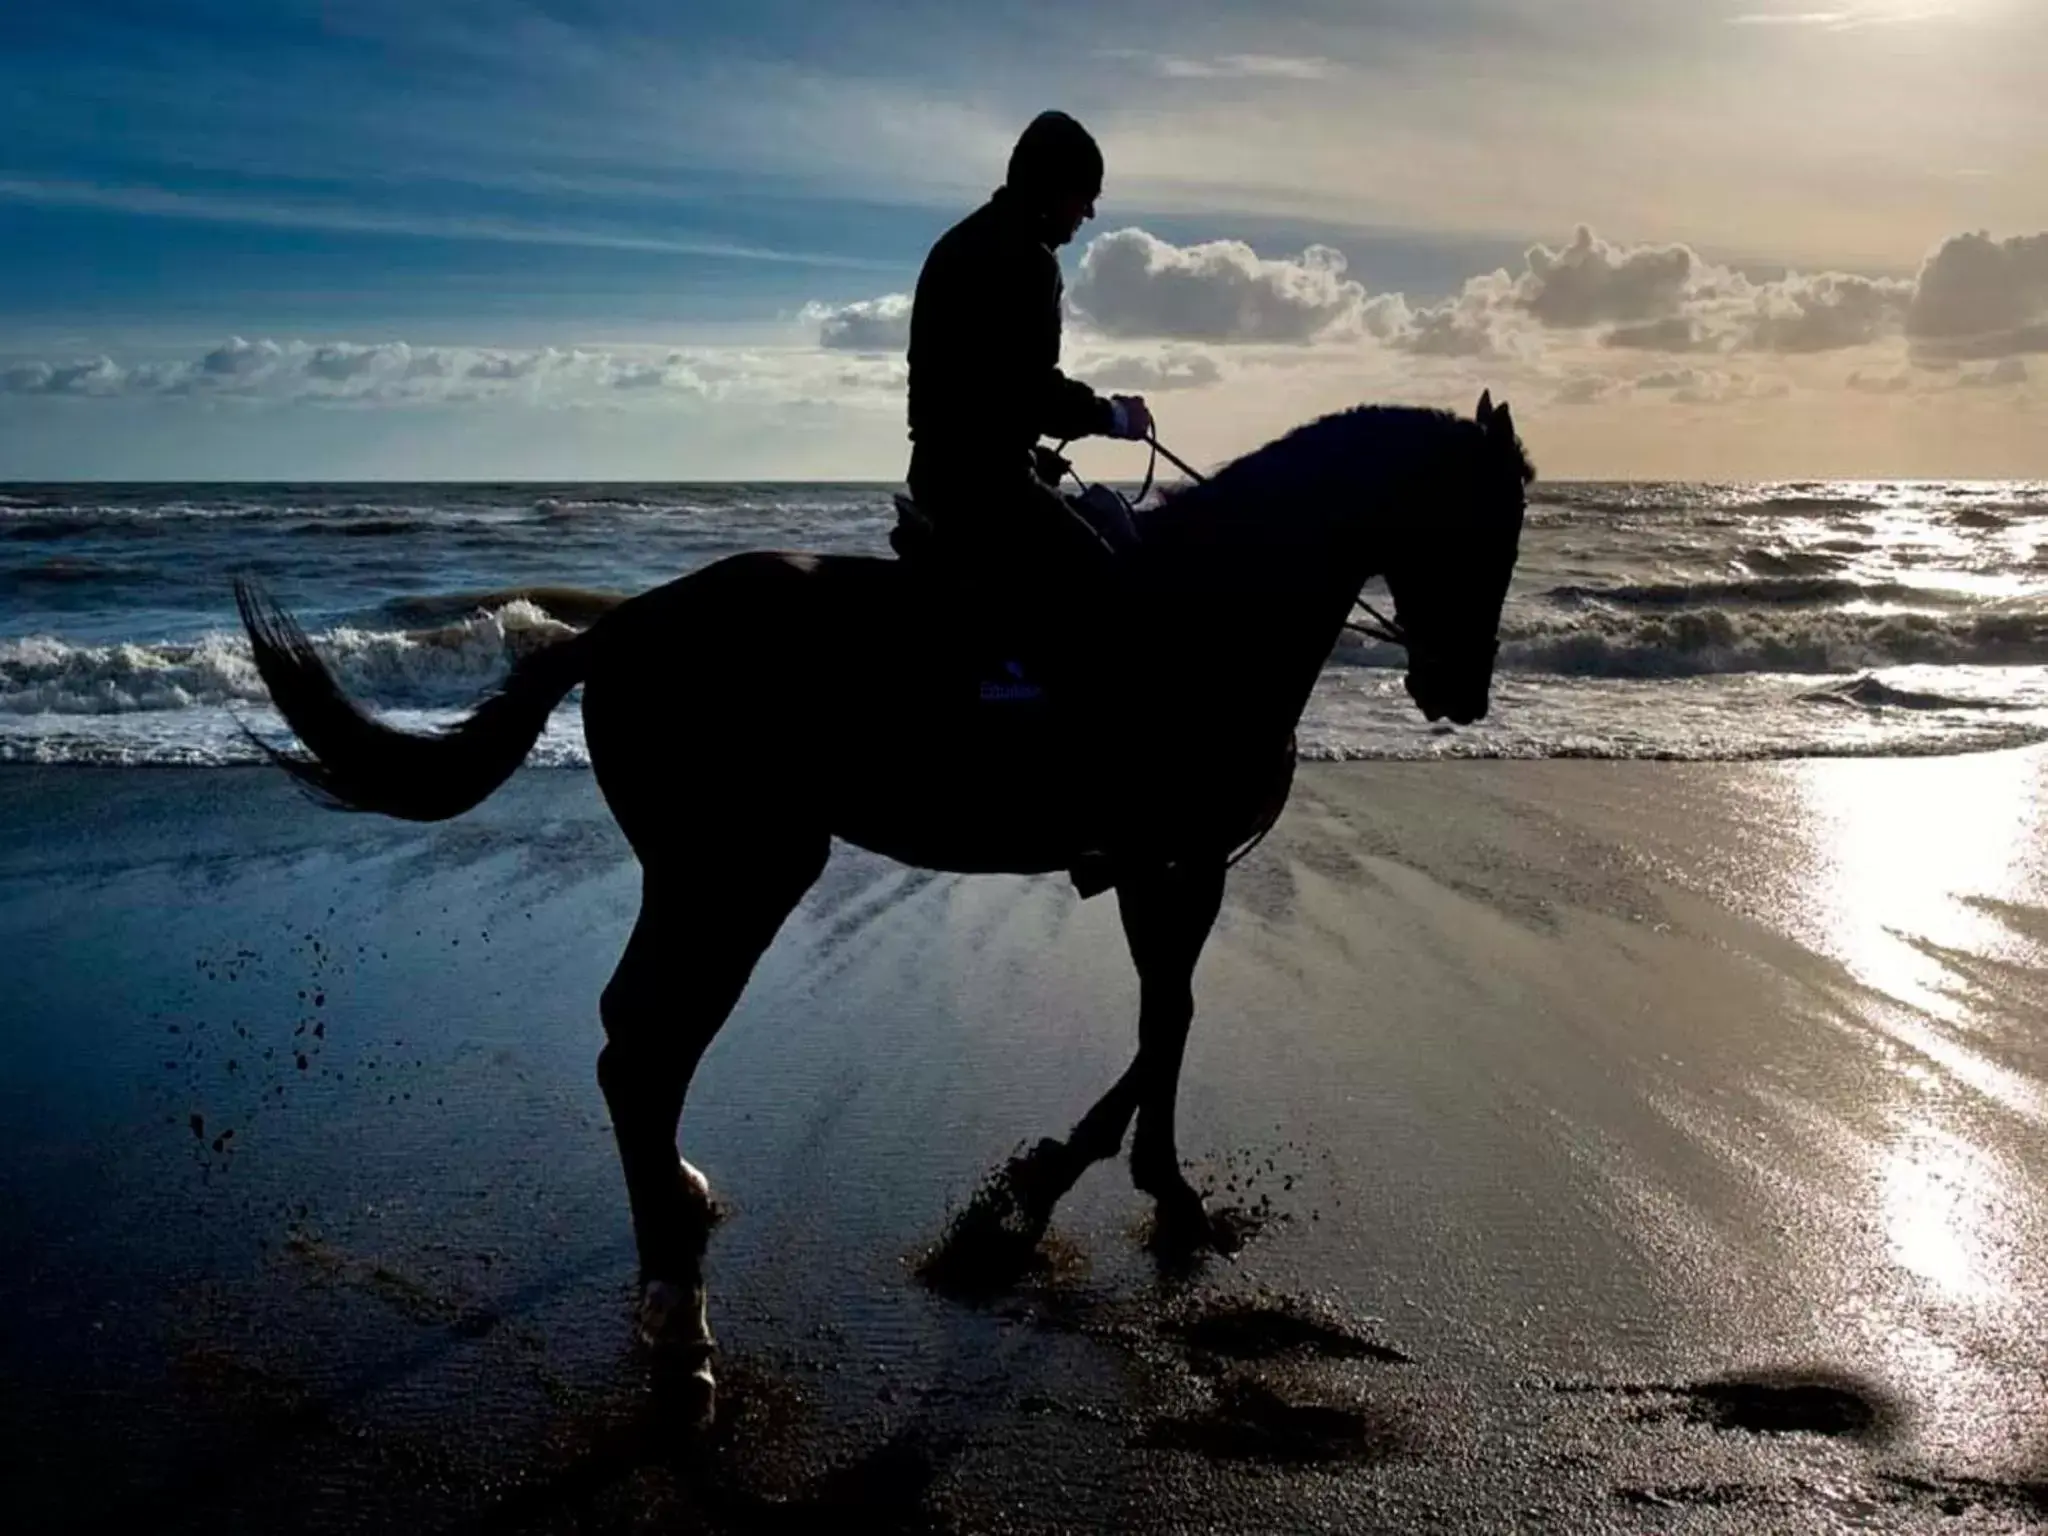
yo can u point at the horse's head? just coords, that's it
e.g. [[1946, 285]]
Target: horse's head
[[1449, 574]]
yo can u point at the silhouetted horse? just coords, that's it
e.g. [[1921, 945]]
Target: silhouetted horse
[[743, 716]]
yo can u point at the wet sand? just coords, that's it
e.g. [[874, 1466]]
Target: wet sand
[[1632, 1146]]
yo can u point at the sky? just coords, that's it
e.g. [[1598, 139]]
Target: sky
[[636, 239]]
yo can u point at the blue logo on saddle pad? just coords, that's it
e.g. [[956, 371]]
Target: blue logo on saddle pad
[[1012, 687]]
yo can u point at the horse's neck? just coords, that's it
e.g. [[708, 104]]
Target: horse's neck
[[1277, 545], [1314, 504]]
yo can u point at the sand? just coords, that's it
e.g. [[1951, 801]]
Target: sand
[[1635, 1146]]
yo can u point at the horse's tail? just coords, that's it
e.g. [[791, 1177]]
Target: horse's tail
[[357, 762]]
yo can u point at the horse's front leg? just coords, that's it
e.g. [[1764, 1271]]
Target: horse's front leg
[[1167, 915]]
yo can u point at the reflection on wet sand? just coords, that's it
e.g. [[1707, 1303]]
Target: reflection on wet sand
[[1907, 877], [1897, 858]]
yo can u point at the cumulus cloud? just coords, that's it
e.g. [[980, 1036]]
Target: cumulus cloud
[[672, 372], [1586, 389], [1709, 386], [501, 367], [239, 359], [1590, 281], [1870, 383], [86, 376], [1825, 312], [1981, 298], [339, 362], [1461, 327], [1668, 298], [374, 373], [868, 325], [1170, 370], [1132, 283], [1674, 333], [2003, 374]]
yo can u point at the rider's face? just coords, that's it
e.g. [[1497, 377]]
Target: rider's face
[[1071, 212]]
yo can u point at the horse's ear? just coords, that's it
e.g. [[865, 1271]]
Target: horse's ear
[[1502, 425], [1485, 412]]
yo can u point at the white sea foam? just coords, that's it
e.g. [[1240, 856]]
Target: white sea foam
[[448, 665]]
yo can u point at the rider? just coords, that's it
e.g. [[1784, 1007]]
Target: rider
[[985, 382]]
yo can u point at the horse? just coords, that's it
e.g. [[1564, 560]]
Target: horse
[[744, 715]]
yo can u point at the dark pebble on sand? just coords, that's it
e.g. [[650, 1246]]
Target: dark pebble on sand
[[302, 1062], [198, 1124]]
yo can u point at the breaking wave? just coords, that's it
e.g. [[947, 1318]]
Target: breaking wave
[[1694, 642], [447, 666], [1776, 590]]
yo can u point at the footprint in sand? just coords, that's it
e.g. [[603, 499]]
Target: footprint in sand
[[1297, 1422], [1784, 1401], [1824, 1402], [1250, 1421]]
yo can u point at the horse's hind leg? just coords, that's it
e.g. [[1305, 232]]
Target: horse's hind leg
[[700, 931]]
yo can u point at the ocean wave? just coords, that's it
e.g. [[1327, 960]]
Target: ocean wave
[[1749, 592], [1692, 643], [1798, 562], [1981, 519], [1813, 504], [1869, 692], [577, 606], [561, 506], [361, 527], [43, 529], [72, 571], [449, 665], [1952, 743]]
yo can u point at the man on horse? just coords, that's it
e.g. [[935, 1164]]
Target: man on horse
[[985, 382]]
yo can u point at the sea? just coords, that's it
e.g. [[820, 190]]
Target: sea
[[1691, 621]]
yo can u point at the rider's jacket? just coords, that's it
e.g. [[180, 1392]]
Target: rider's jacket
[[985, 381]]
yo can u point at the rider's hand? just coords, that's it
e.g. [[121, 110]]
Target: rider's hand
[[1134, 417]]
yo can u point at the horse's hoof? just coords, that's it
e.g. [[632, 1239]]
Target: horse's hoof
[[686, 1387], [1183, 1227], [673, 1325]]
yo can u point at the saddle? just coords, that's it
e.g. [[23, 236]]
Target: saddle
[[1006, 659], [1006, 638], [1009, 672]]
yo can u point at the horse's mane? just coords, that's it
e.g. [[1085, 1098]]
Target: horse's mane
[[1320, 455]]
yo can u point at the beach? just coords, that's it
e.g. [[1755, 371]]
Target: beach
[[1624, 1145]]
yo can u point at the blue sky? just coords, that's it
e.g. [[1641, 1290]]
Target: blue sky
[[610, 238]]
